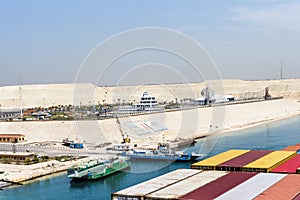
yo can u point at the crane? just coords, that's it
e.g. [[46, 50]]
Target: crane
[[125, 137]]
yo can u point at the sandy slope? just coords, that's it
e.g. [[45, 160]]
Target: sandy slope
[[65, 94], [180, 124]]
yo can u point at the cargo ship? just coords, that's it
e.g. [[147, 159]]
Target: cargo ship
[[95, 169]]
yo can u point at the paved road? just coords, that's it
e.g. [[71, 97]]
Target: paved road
[[51, 150]]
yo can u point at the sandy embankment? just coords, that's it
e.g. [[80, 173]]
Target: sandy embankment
[[180, 124], [20, 173]]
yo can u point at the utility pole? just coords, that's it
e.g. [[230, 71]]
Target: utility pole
[[20, 92], [281, 71]]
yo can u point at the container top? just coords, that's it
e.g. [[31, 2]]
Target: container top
[[157, 183], [245, 159], [187, 185], [289, 166], [286, 188], [221, 158], [292, 148], [219, 186], [252, 187], [271, 159]]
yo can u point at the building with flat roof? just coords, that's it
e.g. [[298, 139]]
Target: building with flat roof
[[15, 157], [12, 138]]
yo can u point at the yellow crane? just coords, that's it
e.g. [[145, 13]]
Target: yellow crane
[[125, 137]]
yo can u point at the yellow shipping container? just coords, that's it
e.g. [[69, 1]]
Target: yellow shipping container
[[269, 161], [212, 162]]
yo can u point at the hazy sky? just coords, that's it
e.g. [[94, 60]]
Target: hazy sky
[[47, 41]]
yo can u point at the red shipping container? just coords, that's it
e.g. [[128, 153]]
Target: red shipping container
[[289, 166]]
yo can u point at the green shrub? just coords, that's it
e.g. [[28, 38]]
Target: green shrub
[[27, 161]]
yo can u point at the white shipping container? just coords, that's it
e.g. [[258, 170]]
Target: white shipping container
[[252, 187], [155, 184], [186, 186]]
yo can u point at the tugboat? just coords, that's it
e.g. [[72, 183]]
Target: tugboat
[[95, 169]]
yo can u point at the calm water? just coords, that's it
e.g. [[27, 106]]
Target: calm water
[[275, 136]]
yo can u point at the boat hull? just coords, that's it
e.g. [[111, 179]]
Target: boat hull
[[115, 167], [174, 158], [100, 170]]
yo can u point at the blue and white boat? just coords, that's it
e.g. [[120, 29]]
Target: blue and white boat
[[161, 153]]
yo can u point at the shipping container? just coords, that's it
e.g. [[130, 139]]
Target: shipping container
[[252, 187], [292, 148], [287, 188], [297, 197], [76, 145], [212, 162], [219, 186], [185, 186], [289, 166], [269, 162], [237, 163], [140, 190]]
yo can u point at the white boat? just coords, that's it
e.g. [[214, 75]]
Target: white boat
[[149, 103], [68, 141], [163, 152]]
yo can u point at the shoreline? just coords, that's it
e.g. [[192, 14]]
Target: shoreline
[[253, 124], [23, 174]]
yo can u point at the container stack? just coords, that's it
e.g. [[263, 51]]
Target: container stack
[[234, 174], [250, 161], [218, 185]]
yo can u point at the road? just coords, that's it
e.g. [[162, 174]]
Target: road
[[52, 151]]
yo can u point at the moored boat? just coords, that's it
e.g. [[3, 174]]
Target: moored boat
[[163, 152], [95, 169]]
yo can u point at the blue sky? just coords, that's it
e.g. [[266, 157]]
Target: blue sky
[[47, 41]]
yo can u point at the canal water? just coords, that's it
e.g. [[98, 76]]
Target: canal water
[[273, 136]]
